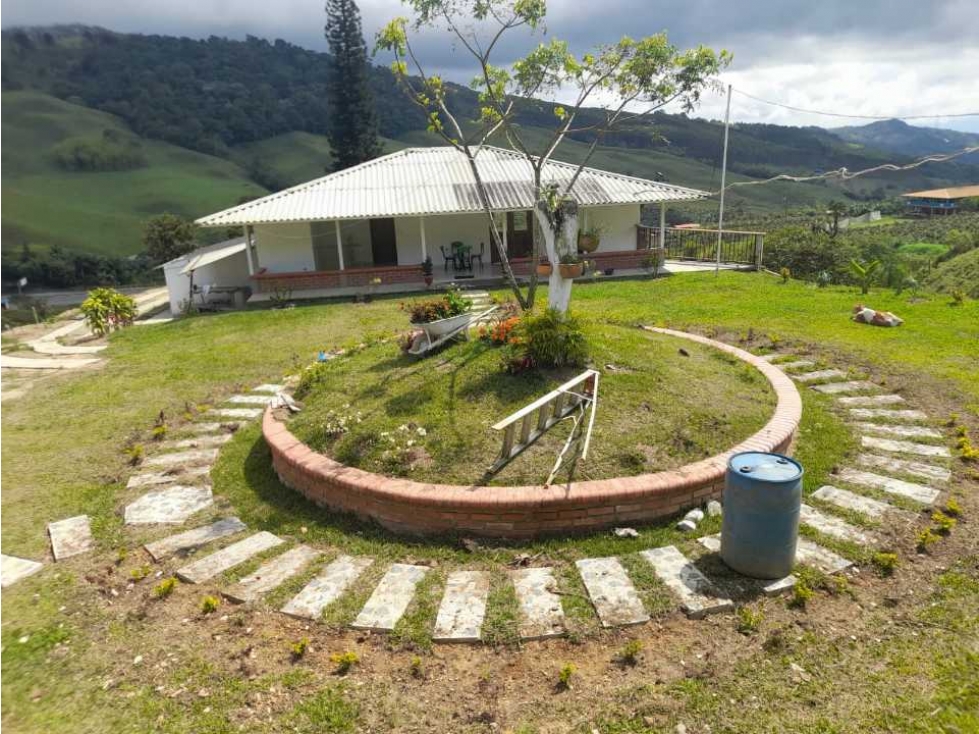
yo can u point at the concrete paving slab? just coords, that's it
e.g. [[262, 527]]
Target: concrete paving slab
[[268, 387], [836, 388], [903, 466], [898, 431], [327, 587], [13, 569], [799, 364], [698, 596], [183, 475], [834, 527], [172, 505], [819, 376], [166, 547], [611, 591], [807, 552], [541, 613], [182, 458], [70, 537], [196, 442], [745, 585], [894, 416], [903, 447], [460, 615], [869, 401], [391, 598], [910, 490], [272, 574], [235, 413], [250, 399], [235, 554], [847, 500]]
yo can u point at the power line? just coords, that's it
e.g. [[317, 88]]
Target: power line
[[849, 116]]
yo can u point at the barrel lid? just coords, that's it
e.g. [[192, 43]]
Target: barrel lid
[[765, 467]]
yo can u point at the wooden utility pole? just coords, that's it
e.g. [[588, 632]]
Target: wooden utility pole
[[720, 213]]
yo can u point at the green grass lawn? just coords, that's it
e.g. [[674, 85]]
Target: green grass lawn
[[909, 666], [932, 249]]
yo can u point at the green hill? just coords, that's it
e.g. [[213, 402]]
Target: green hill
[[961, 273], [98, 211]]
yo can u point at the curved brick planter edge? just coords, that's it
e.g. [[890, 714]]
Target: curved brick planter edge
[[417, 508]]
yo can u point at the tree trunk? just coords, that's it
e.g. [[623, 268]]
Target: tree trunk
[[557, 244]]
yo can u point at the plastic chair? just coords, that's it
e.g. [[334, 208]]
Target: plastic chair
[[479, 256], [446, 259]]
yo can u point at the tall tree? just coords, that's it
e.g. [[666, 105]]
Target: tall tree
[[352, 127], [167, 236], [630, 79]]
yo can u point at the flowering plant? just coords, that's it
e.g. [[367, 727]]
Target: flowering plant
[[337, 423]]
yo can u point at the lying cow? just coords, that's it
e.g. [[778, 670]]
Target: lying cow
[[866, 315]]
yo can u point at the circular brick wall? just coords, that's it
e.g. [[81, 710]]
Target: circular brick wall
[[417, 508]]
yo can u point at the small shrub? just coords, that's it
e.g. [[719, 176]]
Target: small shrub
[[952, 508], [107, 309], [344, 661], [824, 278], [801, 594], [749, 620], [958, 297], [885, 563], [943, 523], [553, 339], [134, 454], [565, 674], [925, 539], [138, 574], [121, 555], [299, 648], [630, 653], [416, 667], [158, 433], [786, 274], [210, 604], [499, 332], [166, 587]]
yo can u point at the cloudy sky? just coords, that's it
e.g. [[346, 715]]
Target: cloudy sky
[[862, 57]]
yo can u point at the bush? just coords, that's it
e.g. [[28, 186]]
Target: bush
[[111, 152], [166, 587], [344, 661], [552, 339], [107, 309], [449, 305]]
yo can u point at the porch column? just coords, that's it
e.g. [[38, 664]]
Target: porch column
[[421, 230], [336, 222], [662, 225], [248, 249], [506, 222]]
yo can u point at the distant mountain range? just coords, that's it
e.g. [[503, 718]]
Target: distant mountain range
[[203, 123]]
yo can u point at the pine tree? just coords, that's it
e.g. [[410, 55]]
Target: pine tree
[[352, 127]]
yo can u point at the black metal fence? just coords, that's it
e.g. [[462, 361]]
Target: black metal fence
[[742, 248]]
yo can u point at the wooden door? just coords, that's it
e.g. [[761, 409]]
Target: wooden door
[[519, 235], [384, 245]]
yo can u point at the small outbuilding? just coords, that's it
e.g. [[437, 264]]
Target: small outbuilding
[[209, 277]]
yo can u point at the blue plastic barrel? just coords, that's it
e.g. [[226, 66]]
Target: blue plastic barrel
[[760, 526]]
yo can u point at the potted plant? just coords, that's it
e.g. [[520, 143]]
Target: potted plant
[[440, 316], [590, 238], [544, 269], [428, 270], [571, 266]]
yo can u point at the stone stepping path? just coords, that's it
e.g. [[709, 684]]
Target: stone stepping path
[[271, 574], [208, 427], [541, 613], [460, 615], [698, 595], [744, 585], [151, 479], [611, 591], [807, 552], [391, 598], [835, 388], [327, 587], [797, 365], [834, 526], [11, 361], [899, 431], [775, 355], [847, 500], [818, 375], [251, 399], [195, 538], [235, 554], [268, 387], [898, 416], [70, 537], [13, 569], [904, 447], [899, 487], [869, 401], [182, 458], [172, 505], [45, 346], [197, 442], [240, 413], [903, 466]]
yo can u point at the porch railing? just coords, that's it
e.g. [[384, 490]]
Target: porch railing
[[681, 243]]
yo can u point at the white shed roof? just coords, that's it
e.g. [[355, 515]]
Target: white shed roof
[[433, 181], [205, 255]]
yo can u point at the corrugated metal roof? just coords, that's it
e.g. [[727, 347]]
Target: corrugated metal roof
[[208, 255], [419, 181], [958, 192]]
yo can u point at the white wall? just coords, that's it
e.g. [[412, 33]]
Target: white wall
[[178, 286], [409, 239], [284, 248], [619, 224], [231, 271], [470, 229]]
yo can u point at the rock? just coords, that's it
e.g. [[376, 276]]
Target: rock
[[694, 516], [625, 533], [714, 509], [680, 729], [686, 526]]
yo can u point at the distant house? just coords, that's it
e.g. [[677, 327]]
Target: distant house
[[374, 224], [939, 201]]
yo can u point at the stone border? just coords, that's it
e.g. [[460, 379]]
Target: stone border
[[416, 508]]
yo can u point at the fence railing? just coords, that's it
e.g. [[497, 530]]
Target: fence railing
[[681, 243]]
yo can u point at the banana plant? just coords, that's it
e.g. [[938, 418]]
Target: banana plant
[[864, 273]]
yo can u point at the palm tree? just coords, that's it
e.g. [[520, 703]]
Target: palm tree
[[836, 209]]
